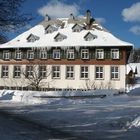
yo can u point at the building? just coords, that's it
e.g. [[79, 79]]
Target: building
[[65, 53], [131, 72]]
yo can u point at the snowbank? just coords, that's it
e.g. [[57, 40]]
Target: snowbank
[[33, 97]]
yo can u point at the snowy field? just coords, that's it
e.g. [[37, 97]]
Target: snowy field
[[114, 117]]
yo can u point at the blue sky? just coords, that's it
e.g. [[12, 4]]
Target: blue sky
[[120, 17]]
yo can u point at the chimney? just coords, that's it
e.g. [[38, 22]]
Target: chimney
[[71, 16], [88, 18], [47, 18]]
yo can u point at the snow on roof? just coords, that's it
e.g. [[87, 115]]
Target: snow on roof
[[130, 67], [104, 38]]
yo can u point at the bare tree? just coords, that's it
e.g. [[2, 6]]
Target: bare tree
[[10, 16], [89, 84], [37, 76]]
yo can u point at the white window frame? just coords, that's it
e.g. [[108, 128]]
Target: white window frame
[[76, 30], [69, 72], [56, 72], [43, 54], [70, 54], [42, 71], [115, 53], [17, 72], [99, 53], [18, 54], [5, 71], [29, 71], [56, 54], [114, 72], [6, 55], [100, 73], [30, 54], [84, 74], [84, 53]]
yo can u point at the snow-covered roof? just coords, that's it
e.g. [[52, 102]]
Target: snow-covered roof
[[104, 38], [131, 67]]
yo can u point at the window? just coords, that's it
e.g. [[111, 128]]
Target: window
[[30, 54], [69, 72], [5, 70], [32, 38], [55, 72], [84, 72], [29, 71], [77, 30], [60, 37], [17, 71], [43, 54], [48, 31], [18, 54], [114, 72], [42, 71], [6, 55], [100, 54], [89, 36], [115, 53], [84, 54], [56, 54], [99, 72], [70, 54]]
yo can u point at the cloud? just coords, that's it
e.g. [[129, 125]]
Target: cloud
[[58, 9], [132, 14], [101, 20], [135, 30]]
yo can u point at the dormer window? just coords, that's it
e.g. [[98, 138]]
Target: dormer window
[[89, 36], [60, 37], [6, 55], [32, 38], [43, 54], [30, 54], [56, 54], [76, 28], [115, 53], [84, 54], [70, 54], [18, 55], [99, 54], [49, 29]]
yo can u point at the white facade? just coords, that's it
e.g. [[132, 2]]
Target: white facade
[[75, 83]]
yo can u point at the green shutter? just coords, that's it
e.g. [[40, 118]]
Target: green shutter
[[62, 52], [24, 54], [1, 54], [92, 54], [107, 54], [50, 53], [120, 54], [12, 54], [78, 54]]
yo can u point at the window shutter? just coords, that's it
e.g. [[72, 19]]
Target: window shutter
[[1, 54], [50, 54], [120, 54], [35, 54], [62, 54], [13, 54], [24, 54], [93, 54], [107, 54], [78, 54]]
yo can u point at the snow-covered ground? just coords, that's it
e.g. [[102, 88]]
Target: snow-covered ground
[[113, 117]]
